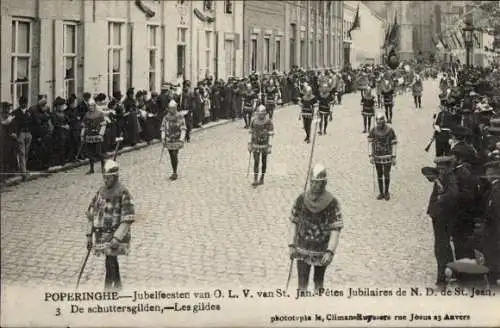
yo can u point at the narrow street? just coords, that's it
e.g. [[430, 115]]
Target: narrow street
[[211, 226]]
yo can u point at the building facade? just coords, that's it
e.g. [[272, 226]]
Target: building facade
[[349, 8], [280, 34], [367, 41], [64, 47], [453, 18], [418, 23]]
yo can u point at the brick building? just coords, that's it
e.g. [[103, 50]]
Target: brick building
[[60, 47], [280, 34]]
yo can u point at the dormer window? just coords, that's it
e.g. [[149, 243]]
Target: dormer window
[[208, 5]]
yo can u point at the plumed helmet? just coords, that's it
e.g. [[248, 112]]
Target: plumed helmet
[[172, 104], [318, 172], [111, 167]]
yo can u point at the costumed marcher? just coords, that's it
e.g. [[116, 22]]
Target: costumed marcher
[[325, 98], [261, 129], [110, 215], [340, 90], [382, 144], [172, 129], [387, 92], [315, 230], [378, 86], [307, 102], [368, 109], [271, 98], [417, 89], [441, 210], [249, 99], [94, 127]]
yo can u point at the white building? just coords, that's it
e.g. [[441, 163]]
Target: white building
[[63, 47]]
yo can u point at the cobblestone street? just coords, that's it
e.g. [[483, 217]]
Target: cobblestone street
[[211, 227]]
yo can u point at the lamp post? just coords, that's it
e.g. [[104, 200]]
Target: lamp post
[[468, 31]]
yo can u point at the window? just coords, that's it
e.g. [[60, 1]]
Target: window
[[303, 62], [321, 50], [228, 8], [20, 60], [207, 5], [293, 38], [253, 55], [266, 55], [229, 57], [277, 53], [69, 58], [208, 51], [311, 53], [153, 51], [115, 53], [181, 52]]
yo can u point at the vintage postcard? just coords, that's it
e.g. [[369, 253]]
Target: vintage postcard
[[250, 163]]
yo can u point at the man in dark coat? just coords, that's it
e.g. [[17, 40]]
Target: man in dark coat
[[442, 210]]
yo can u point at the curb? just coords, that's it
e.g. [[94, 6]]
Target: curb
[[69, 166]]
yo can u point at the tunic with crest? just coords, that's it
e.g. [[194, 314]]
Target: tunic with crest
[[107, 211], [382, 140], [388, 94], [315, 219], [271, 95], [260, 131], [368, 105], [249, 98], [95, 125], [324, 100], [308, 106], [172, 126]]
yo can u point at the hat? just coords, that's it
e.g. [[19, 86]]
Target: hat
[[172, 104], [59, 101], [429, 172], [164, 86], [110, 167], [117, 95], [494, 128], [468, 266], [100, 97], [261, 109], [460, 131], [318, 173], [494, 158], [443, 160], [462, 151]]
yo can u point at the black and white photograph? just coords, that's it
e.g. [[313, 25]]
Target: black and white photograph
[[249, 163]]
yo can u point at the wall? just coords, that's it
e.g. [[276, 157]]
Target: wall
[[261, 20], [47, 19]]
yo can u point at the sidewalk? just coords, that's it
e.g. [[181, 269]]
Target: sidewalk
[[69, 166]]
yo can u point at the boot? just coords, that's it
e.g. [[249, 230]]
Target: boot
[[173, 177], [261, 181], [91, 170], [255, 179]]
